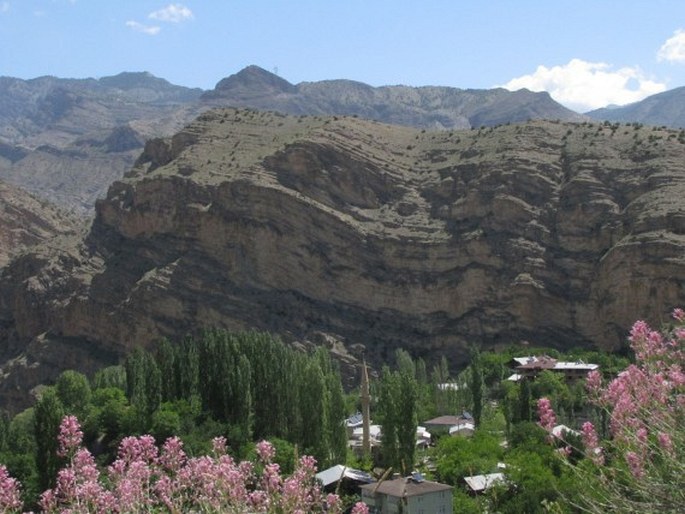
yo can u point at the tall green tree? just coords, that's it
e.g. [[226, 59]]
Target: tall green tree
[[73, 390], [111, 376], [476, 384], [166, 362], [407, 403], [48, 414], [525, 399], [144, 383], [388, 413], [398, 408]]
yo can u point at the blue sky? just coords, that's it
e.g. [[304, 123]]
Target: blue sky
[[587, 54]]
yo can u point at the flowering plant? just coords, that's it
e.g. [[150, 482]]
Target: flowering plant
[[144, 478], [639, 468]]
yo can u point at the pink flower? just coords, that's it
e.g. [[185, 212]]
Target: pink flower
[[666, 443], [593, 383], [360, 508], [591, 441], [10, 494], [635, 464], [173, 456], [548, 419], [679, 315], [333, 503], [265, 451], [219, 446], [70, 436]]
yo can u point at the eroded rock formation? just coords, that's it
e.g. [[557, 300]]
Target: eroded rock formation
[[338, 229]]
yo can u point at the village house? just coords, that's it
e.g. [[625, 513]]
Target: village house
[[530, 367], [408, 495], [452, 425]]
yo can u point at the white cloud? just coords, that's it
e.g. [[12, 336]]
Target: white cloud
[[4, 7], [673, 49], [151, 30], [172, 13], [583, 86]]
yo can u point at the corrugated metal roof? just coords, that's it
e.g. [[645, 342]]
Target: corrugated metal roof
[[479, 483], [335, 473]]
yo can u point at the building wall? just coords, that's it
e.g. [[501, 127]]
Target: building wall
[[434, 503]]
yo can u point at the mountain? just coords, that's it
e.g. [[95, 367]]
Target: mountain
[[69, 139], [351, 233], [663, 109], [420, 107], [26, 221]]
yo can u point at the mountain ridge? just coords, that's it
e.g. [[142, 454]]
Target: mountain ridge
[[666, 108], [348, 230]]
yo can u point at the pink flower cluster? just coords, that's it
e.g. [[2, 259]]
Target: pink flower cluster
[[646, 401], [145, 479], [548, 419], [10, 495]]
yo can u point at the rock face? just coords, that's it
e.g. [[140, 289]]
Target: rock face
[[321, 228], [26, 221]]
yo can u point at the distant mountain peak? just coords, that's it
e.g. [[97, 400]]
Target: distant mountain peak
[[254, 79], [134, 79]]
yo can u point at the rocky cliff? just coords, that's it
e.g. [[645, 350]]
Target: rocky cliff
[[27, 221], [339, 229]]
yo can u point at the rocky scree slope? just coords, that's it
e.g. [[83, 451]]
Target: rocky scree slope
[[347, 232]]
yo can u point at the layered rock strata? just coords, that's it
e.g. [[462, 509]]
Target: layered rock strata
[[336, 229]]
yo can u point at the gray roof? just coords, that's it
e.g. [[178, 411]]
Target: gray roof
[[332, 475], [401, 487], [482, 482], [446, 421]]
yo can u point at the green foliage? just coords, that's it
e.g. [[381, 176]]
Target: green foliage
[[525, 412], [457, 457], [73, 390], [48, 415], [252, 384], [20, 450], [476, 385], [111, 376], [114, 415], [397, 410], [463, 503], [144, 386], [165, 423]]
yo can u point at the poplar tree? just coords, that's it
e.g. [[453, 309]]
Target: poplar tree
[[48, 414], [398, 407], [476, 385]]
